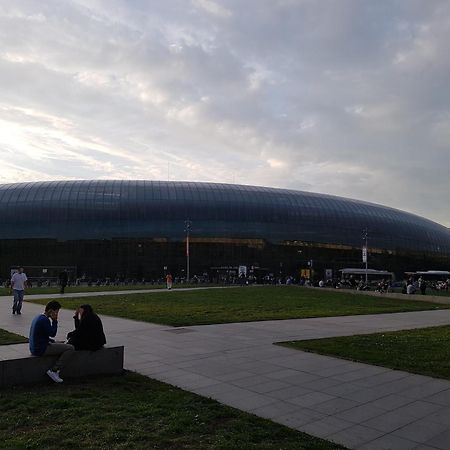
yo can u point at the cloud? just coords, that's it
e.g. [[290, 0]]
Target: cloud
[[213, 8], [344, 97]]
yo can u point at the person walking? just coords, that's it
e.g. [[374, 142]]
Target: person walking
[[18, 284]]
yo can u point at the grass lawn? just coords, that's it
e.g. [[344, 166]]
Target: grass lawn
[[183, 308], [424, 351], [134, 412], [10, 338]]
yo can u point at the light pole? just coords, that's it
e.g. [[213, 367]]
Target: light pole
[[365, 252], [187, 229]]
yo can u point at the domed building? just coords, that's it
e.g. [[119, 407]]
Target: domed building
[[137, 229]]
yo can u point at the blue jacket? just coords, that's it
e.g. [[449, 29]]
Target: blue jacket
[[40, 333]]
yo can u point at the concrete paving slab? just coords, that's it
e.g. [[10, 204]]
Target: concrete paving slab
[[300, 378], [276, 409], [342, 389], [426, 389], [441, 398], [391, 402], [361, 413], [337, 370], [283, 373], [192, 383], [369, 395], [388, 442], [354, 375], [259, 367], [407, 383], [311, 398], [441, 416], [389, 421], [299, 418], [355, 436], [335, 406], [247, 401], [236, 375], [267, 387], [327, 426], [441, 441], [321, 384], [419, 409], [424, 447], [420, 432], [212, 390], [386, 377], [251, 381], [288, 393]]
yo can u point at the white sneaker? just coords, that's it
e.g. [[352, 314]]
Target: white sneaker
[[54, 376]]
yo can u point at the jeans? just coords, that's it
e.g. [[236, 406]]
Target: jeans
[[65, 350], [18, 299]]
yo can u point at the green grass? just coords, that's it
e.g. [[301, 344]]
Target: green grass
[[424, 351], [134, 412], [7, 338], [183, 308]]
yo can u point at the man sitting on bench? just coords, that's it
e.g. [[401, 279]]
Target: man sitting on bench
[[43, 328]]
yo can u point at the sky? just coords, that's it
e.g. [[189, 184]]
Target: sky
[[343, 97]]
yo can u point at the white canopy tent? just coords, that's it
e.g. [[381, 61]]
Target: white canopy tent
[[356, 271]]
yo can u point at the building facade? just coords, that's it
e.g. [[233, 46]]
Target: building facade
[[137, 229]]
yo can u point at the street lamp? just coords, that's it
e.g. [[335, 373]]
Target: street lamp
[[365, 251], [187, 229]]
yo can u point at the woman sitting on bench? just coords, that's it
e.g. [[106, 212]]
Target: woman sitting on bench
[[88, 333]]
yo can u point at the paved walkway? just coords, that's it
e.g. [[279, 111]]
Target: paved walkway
[[357, 405], [430, 298]]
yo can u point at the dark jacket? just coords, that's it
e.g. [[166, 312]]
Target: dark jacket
[[63, 278], [88, 333]]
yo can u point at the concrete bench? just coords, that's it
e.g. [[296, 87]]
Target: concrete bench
[[18, 367]]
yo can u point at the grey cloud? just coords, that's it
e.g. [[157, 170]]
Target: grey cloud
[[347, 97]]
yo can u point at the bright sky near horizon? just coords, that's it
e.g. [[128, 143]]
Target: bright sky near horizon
[[345, 97]]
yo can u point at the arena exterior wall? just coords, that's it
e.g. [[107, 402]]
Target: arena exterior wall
[[136, 229]]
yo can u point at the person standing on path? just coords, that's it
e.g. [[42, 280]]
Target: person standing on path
[[18, 283], [169, 281], [63, 280], [43, 328], [423, 286]]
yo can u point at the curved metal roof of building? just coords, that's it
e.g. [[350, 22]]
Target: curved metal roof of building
[[69, 210]]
